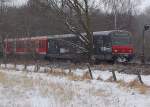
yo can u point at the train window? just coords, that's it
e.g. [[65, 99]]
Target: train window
[[107, 41], [20, 44], [121, 39], [42, 44], [99, 41], [53, 45], [78, 43]]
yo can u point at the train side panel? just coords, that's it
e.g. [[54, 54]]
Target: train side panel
[[65, 48], [25, 46], [9, 46], [42, 48], [103, 47], [20, 47]]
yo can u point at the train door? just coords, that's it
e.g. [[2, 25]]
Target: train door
[[103, 47], [98, 44], [107, 45], [42, 48], [53, 47], [1, 49]]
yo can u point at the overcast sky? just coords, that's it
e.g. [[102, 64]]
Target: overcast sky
[[143, 5], [20, 2]]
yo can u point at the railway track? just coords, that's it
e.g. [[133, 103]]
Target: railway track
[[132, 68], [129, 68], [133, 64]]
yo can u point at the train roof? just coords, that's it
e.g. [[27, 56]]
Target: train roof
[[65, 35], [61, 36], [109, 32], [94, 33], [27, 38]]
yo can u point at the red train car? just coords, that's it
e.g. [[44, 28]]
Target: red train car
[[9, 43], [41, 44], [23, 46]]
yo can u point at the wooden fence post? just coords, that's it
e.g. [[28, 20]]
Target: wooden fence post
[[139, 76], [90, 71], [70, 69], [51, 70], [25, 67], [114, 75], [5, 65], [37, 67]]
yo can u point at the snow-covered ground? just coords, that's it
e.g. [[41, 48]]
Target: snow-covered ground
[[29, 89]]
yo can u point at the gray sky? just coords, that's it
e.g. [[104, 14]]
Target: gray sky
[[21, 1], [144, 3]]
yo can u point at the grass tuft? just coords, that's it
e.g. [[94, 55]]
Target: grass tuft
[[100, 93], [135, 85], [86, 76], [57, 72], [99, 78], [110, 79], [142, 88], [3, 78], [74, 77]]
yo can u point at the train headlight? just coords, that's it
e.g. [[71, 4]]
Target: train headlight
[[130, 51], [115, 51]]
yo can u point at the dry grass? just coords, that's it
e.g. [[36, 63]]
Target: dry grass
[[103, 67], [99, 78], [135, 84], [27, 82], [110, 79], [86, 76], [100, 93], [70, 75], [57, 72], [143, 89], [121, 83], [73, 66], [3, 78], [73, 77], [63, 92], [13, 81]]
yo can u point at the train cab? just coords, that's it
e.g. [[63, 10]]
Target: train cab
[[113, 45], [122, 47]]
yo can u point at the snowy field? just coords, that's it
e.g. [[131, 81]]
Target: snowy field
[[60, 88]]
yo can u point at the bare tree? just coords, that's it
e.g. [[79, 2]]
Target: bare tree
[[122, 11], [76, 16], [3, 28]]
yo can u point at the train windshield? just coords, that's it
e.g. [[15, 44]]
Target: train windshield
[[121, 39]]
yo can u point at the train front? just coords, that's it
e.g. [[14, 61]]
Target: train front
[[122, 47]]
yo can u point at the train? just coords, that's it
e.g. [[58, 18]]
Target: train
[[112, 45]]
